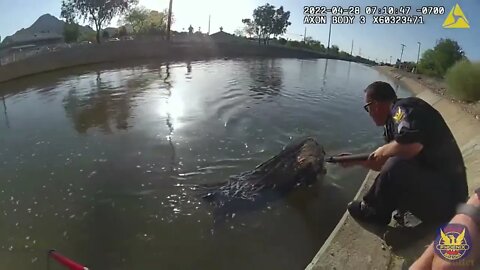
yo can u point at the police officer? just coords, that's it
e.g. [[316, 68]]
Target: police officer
[[421, 166]]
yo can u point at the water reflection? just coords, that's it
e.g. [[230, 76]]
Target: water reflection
[[168, 87], [324, 78], [189, 69], [7, 123], [266, 78], [348, 72], [108, 103]]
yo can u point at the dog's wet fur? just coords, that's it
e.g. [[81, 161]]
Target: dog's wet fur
[[298, 164]]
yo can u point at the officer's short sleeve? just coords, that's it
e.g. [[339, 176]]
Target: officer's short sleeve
[[408, 126]]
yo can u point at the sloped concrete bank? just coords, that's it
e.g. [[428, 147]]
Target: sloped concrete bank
[[350, 246]]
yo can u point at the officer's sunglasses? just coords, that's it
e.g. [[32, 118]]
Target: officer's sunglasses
[[366, 106]]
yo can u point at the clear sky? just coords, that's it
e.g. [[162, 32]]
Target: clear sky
[[375, 41]]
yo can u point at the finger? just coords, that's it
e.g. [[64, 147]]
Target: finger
[[371, 156]]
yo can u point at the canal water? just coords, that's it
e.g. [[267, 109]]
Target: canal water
[[98, 162]]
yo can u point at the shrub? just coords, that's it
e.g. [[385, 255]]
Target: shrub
[[463, 80]]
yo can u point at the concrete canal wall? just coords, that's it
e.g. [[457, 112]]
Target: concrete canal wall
[[350, 246], [132, 50]]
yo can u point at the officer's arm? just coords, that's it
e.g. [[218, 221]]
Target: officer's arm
[[404, 150]]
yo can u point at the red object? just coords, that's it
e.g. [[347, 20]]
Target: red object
[[66, 261]]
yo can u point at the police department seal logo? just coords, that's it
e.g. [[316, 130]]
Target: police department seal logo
[[453, 242]]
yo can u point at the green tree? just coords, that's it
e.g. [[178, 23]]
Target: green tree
[[71, 32], [263, 18], [157, 22], [250, 28], [270, 21], [88, 36], [448, 52], [426, 65], [238, 32], [438, 60], [137, 17], [280, 22], [145, 21], [98, 12], [122, 31], [316, 45], [334, 50], [344, 55], [105, 35]]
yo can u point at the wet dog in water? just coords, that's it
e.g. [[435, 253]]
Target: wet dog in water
[[300, 163]]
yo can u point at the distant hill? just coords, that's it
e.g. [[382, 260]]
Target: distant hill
[[45, 27]]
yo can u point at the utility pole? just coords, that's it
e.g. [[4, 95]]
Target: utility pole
[[169, 22], [209, 24], [329, 33], [418, 55], [360, 52], [351, 50], [390, 59], [305, 35], [401, 55]]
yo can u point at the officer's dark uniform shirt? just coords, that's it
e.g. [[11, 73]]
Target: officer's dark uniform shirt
[[414, 120]]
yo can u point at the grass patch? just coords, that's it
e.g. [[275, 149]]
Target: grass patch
[[463, 80]]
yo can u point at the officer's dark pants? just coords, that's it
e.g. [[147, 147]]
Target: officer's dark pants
[[404, 185]]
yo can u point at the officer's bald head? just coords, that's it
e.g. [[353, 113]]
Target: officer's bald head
[[381, 92]]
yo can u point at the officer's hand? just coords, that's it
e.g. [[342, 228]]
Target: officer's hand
[[377, 159], [379, 154]]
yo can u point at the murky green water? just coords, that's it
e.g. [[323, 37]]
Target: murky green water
[[97, 162]]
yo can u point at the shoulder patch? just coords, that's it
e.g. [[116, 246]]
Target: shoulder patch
[[403, 124], [399, 115]]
